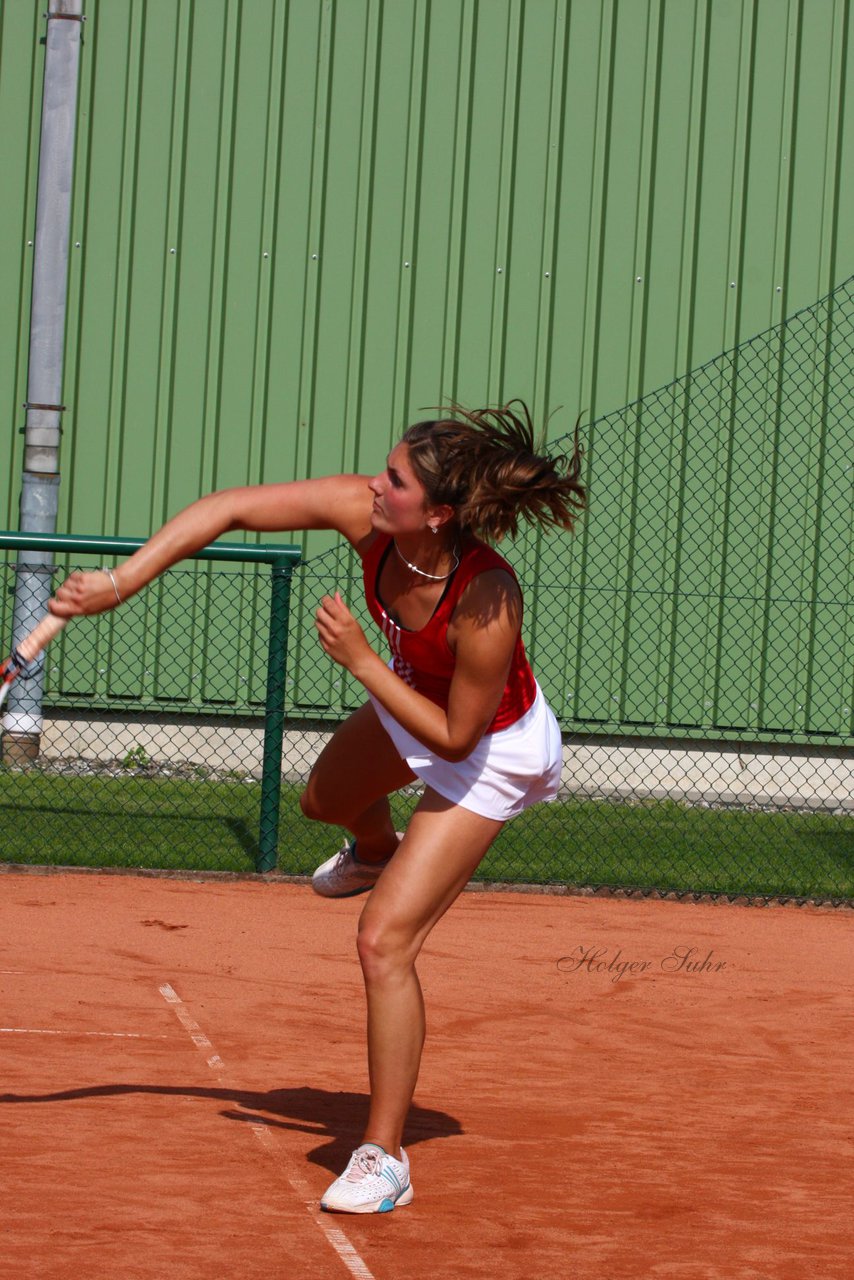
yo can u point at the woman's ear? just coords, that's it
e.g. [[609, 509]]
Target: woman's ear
[[438, 517]]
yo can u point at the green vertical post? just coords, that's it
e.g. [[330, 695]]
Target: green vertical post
[[274, 716]]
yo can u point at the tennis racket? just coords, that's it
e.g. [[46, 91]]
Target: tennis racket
[[22, 659]]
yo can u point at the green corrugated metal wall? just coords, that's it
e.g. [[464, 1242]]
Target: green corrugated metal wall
[[298, 223]]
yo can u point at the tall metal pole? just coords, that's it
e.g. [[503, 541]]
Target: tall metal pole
[[22, 724]]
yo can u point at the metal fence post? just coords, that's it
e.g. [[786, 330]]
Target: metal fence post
[[274, 716], [22, 723]]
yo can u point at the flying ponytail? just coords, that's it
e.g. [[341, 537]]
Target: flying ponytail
[[487, 465]]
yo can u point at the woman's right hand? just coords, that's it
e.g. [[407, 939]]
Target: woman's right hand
[[85, 593]]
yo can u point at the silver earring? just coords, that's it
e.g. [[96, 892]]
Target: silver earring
[[434, 528]]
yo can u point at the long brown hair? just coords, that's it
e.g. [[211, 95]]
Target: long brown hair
[[487, 464]]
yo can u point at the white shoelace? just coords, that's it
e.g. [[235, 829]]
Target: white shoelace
[[365, 1165]]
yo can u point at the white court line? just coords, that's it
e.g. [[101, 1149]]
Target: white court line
[[44, 1031], [352, 1260]]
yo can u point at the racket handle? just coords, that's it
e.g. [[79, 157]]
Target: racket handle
[[40, 636]]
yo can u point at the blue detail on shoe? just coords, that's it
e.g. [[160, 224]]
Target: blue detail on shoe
[[386, 1206]]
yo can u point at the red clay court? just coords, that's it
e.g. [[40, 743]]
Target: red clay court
[[611, 1089]]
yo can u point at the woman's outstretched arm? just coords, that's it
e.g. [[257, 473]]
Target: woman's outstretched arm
[[342, 503]]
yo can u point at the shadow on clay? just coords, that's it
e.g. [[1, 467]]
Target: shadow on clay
[[337, 1119]]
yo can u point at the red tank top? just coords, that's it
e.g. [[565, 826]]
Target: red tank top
[[423, 658]]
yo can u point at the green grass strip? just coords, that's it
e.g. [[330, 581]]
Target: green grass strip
[[212, 825]]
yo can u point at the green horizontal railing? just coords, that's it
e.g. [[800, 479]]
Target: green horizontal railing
[[282, 561], [97, 545]]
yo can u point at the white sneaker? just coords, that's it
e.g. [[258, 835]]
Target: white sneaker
[[373, 1182], [343, 875]]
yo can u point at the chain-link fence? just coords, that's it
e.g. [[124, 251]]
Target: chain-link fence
[[695, 639], [696, 636], [151, 736]]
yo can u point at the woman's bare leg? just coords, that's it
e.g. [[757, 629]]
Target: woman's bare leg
[[351, 781], [441, 850]]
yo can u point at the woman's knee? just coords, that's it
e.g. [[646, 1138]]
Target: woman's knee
[[385, 949], [310, 805], [319, 803]]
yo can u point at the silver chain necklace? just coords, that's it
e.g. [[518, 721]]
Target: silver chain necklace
[[434, 577]]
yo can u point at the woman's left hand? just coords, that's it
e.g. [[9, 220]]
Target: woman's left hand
[[339, 633]]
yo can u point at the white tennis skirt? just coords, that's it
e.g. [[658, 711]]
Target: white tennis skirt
[[507, 772]]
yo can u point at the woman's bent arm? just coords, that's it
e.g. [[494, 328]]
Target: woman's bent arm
[[486, 625]]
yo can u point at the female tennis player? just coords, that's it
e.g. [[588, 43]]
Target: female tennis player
[[457, 706]]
